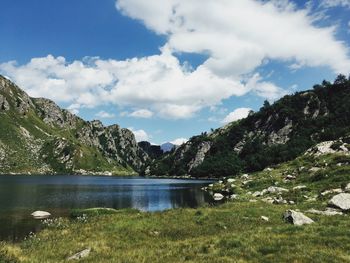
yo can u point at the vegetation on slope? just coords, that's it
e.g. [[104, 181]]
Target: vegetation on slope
[[275, 134], [231, 232]]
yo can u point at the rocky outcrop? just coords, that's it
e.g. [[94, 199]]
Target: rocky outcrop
[[51, 139], [4, 105], [201, 152], [296, 218]]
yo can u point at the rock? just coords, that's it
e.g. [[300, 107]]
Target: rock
[[300, 187], [265, 218], [332, 191], [218, 196], [275, 189], [279, 201], [269, 200], [82, 254], [233, 197], [347, 188], [257, 194], [290, 177], [268, 169], [341, 201], [327, 212], [40, 214], [245, 176], [231, 180], [244, 183], [291, 202], [4, 105], [314, 169], [296, 218]]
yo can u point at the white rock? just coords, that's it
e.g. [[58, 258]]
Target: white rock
[[347, 188], [265, 218], [81, 254], [300, 187], [332, 191], [40, 214], [274, 189], [327, 212], [231, 180], [341, 201], [296, 218], [218, 196]]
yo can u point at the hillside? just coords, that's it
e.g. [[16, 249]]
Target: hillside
[[294, 212], [275, 134], [37, 137]]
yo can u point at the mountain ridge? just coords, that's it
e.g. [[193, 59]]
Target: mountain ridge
[[275, 134], [37, 136]]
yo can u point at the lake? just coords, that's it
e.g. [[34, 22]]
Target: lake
[[22, 195]]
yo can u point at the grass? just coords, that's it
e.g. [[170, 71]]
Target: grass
[[233, 232]]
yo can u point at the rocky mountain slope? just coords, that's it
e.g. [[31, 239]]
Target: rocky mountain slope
[[275, 134], [36, 136]]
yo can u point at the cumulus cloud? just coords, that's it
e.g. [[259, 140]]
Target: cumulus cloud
[[238, 35], [236, 115], [179, 141], [105, 115], [143, 113], [140, 135]]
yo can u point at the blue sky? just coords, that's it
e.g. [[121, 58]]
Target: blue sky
[[171, 69]]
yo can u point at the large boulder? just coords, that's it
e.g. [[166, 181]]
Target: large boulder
[[218, 196], [341, 201], [40, 214], [296, 218]]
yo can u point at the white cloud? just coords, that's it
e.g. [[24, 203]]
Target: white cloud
[[143, 113], [179, 141], [238, 35], [104, 115], [236, 115], [335, 3], [140, 135]]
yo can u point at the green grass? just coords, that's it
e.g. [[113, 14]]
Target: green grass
[[233, 232]]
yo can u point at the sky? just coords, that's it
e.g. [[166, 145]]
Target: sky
[[171, 69]]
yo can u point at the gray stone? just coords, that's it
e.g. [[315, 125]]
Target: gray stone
[[327, 212], [275, 189], [4, 105], [265, 218], [82, 254], [341, 201], [296, 218], [218, 196], [40, 214], [300, 187]]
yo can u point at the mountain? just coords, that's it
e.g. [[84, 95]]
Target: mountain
[[153, 151], [167, 147], [36, 136], [275, 134]]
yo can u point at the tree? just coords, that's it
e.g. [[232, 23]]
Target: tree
[[341, 79]]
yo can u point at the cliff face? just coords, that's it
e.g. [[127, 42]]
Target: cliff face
[[277, 133], [37, 136]]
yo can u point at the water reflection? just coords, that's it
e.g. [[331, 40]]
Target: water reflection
[[21, 195]]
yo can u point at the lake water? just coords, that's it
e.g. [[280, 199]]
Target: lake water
[[21, 195]]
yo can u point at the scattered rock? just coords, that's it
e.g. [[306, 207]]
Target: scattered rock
[[233, 197], [265, 218], [269, 200], [218, 196], [290, 177], [300, 187], [276, 190], [314, 169], [341, 201], [296, 218], [245, 176], [332, 191], [40, 214], [327, 212], [231, 180], [82, 254]]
